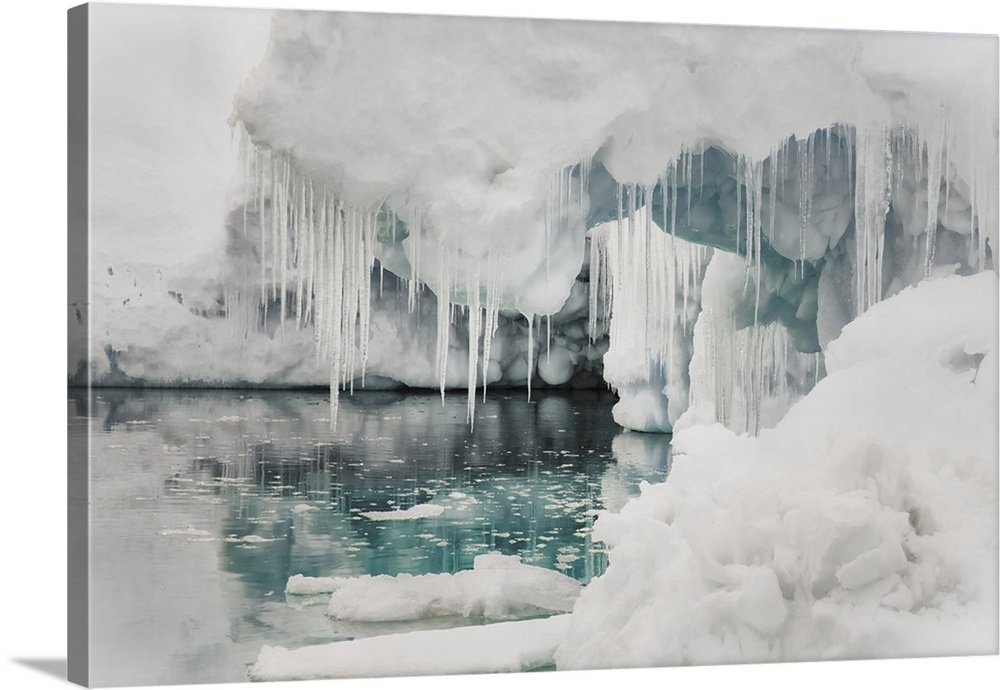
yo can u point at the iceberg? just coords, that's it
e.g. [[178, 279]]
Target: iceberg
[[539, 203], [835, 190]]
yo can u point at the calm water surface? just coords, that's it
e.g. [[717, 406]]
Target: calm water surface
[[204, 503]]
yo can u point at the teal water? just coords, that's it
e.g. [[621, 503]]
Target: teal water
[[204, 503]]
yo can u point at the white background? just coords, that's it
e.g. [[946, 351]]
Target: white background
[[32, 339]]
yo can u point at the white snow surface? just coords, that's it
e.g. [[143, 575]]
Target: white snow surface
[[863, 525], [497, 587], [507, 647]]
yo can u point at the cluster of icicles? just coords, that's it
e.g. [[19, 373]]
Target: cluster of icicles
[[317, 256]]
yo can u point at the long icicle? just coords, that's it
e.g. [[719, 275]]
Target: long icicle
[[443, 322], [475, 315]]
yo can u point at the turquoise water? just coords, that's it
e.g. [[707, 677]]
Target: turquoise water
[[204, 503]]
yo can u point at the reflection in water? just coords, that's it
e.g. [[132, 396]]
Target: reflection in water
[[204, 503]]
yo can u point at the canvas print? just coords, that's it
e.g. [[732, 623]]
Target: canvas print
[[422, 345]]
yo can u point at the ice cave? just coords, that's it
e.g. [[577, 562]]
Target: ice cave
[[776, 245]]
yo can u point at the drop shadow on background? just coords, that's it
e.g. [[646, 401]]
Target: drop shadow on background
[[50, 667]]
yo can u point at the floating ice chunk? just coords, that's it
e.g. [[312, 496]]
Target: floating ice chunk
[[249, 539], [507, 647], [300, 585], [497, 587], [188, 532], [414, 513], [404, 597], [303, 508]]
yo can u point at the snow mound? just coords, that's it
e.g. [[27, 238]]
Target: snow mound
[[863, 525], [950, 318], [507, 647]]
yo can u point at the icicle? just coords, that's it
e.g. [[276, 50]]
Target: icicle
[[978, 231], [310, 256], [530, 353], [336, 310], [739, 200], [263, 235], [872, 194], [547, 225], [597, 258], [443, 321], [783, 156], [934, 147], [828, 138], [805, 160], [701, 174], [673, 200], [688, 180], [548, 338], [475, 315], [275, 206], [491, 316], [416, 231], [245, 148], [586, 165], [946, 171], [621, 192], [364, 284], [748, 211], [755, 227], [300, 220], [772, 212], [286, 206], [649, 272]]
